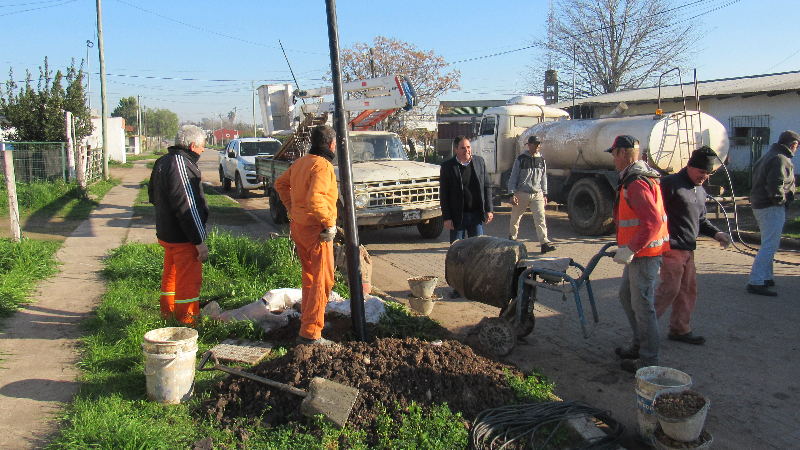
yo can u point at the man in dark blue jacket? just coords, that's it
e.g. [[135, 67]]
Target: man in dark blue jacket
[[181, 213], [685, 204]]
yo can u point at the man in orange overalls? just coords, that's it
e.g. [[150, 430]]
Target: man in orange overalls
[[642, 237], [181, 214], [309, 192]]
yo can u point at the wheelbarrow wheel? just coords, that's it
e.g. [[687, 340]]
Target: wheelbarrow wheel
[[509, 314], [497, 335], [526, 327]]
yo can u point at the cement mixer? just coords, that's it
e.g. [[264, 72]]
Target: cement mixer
[[580, 173]]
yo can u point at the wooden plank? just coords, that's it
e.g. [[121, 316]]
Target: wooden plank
[[242, 350]]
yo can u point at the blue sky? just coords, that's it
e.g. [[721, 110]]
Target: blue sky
[[200, 58]]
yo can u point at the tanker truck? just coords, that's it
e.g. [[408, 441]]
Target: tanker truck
[[580, 174]]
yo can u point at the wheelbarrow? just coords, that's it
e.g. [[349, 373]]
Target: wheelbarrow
[[498, 272]]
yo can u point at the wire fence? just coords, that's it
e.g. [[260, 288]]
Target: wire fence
[[38, 161]]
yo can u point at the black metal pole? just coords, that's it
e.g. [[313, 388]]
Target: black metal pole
[[346, 182]]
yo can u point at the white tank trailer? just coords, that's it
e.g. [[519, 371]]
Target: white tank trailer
[[580, 172]]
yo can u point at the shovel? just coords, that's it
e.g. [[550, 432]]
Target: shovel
[[333, 400]]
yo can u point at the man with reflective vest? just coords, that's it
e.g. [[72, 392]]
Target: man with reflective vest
[[642, 237]]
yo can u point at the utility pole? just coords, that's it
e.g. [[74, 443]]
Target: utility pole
[[104, 118], [352, 249], [255, 130], [139, 119], [89, 44]]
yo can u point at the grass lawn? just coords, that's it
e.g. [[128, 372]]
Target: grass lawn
[[51, 210], [111, 410], [22, 265]]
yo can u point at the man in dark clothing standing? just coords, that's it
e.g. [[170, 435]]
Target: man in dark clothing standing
[[181, 214], [465, 193], [773, 192], [685, 204]]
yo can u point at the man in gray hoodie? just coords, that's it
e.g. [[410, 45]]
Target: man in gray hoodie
[[773, 191], [528, 183]]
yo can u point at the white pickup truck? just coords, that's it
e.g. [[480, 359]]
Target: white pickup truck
[[237, 163]]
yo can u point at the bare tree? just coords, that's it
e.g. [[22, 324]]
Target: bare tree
[[384, 56], [616, 44]]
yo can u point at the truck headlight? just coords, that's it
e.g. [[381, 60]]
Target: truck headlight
[[362, 200], [249, 167]]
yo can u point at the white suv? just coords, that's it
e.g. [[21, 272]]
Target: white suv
[[237, 163]]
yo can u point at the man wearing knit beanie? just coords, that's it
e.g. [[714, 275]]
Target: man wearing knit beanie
[[773, 192], [685, 204]]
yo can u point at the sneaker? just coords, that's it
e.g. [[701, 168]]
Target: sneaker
[[627, 353], [321, 341], [760, 290], [630, 365], [689, 338], [548, 247], [769, 283]]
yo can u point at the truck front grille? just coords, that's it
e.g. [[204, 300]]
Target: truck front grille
[[403, 193]]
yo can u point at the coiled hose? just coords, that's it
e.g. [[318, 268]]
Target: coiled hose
[[499, 428]]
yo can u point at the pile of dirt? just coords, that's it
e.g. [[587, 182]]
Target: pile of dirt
[[386, 372]]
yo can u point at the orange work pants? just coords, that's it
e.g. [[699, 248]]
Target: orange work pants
[[180, 282], [316, 259], [678, 289]]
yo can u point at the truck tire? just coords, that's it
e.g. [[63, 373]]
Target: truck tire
[[277, 211], [432, 229], [226, 183], [590, 206], [241, 192]]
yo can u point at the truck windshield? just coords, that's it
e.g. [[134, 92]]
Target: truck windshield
[[376, 148], [260, 148]]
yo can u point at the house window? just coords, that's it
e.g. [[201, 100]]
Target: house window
[[745, 130]]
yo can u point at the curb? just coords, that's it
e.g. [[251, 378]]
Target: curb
[[755, 238]]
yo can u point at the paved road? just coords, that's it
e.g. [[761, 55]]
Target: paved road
[[748, 367]]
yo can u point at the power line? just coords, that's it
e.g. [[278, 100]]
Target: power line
[[35, 9], [210, 31]]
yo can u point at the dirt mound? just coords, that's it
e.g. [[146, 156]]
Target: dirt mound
[[385, 371]]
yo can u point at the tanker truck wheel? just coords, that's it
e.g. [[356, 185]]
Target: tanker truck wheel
[[590, 206]]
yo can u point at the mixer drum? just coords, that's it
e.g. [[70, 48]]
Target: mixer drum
[[483, 269]]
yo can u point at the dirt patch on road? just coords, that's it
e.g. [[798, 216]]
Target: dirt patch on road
[[386, 372]]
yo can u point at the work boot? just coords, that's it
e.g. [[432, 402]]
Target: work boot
[[689, 338], [769, 283], [760, 290], [631, 365], [627, 353], [548, 247], [321, 341], [455, 294]]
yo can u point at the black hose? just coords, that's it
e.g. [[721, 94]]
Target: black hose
[[498, 428], [736, 224]]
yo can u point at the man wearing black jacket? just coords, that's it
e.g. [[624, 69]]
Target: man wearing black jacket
[[181, 213], [685, 204], [465, 194]]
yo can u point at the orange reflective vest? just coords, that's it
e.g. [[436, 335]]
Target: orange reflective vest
[[628, 224]]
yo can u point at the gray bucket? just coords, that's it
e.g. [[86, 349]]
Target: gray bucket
[[650, 381]]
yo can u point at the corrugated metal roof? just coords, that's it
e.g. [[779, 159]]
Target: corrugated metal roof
[[787, 81]]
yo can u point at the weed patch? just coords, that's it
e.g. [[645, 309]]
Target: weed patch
[[22, 265]]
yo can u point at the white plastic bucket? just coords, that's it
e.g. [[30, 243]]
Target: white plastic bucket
[[685, 429], [650, 381], [170, 355]]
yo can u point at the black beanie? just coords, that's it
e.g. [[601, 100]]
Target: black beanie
[[703, 158]]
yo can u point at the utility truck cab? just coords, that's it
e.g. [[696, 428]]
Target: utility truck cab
[[499, 132]]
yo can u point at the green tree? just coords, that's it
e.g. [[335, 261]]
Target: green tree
[[37, 114], [162, 123], [127, 110]]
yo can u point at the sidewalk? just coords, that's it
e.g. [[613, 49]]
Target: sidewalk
[[38, 345]]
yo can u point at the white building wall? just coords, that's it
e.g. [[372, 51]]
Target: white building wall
[[116, 137]]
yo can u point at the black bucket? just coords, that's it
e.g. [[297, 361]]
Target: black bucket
[[484, 269]]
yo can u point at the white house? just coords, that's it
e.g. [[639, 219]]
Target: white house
[[759, 106]]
